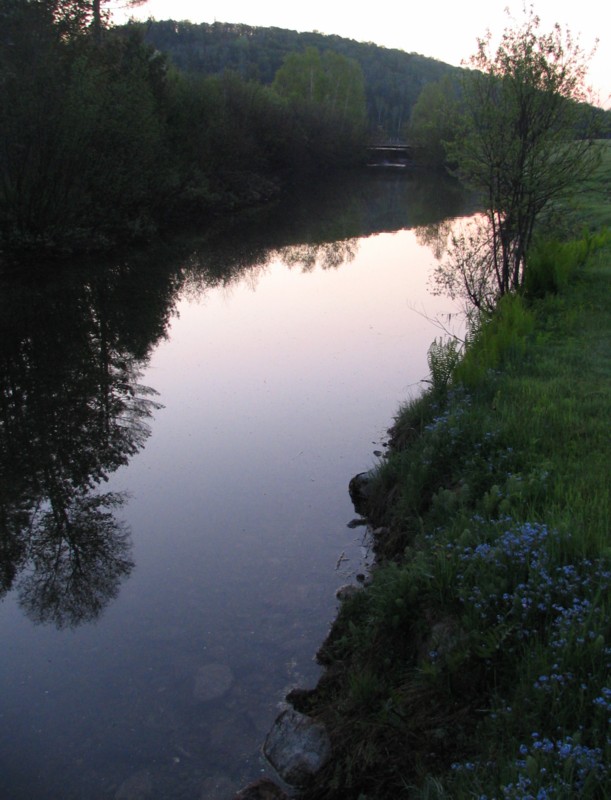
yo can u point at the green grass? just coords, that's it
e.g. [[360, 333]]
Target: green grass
[[477, 661], [590, 206]]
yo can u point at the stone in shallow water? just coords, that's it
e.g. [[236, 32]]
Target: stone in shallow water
[[138, 786], [218, 787], [297, 747], [212, 681]]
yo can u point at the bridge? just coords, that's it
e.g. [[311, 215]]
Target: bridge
[[391, 154]]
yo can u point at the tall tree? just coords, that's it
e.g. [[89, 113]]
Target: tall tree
[[99, 16], [518, 144], [81, 140], [79, 15], [332, 82], [433, 120]]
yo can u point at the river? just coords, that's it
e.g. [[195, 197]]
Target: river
[[177, 432]]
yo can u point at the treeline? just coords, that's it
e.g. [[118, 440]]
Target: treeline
[[393, 78], [407, 95], [102, 139]]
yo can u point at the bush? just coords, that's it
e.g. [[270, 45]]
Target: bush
[[551, 263], [498, 339]]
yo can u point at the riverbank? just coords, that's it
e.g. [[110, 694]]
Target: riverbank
[[475, 662]]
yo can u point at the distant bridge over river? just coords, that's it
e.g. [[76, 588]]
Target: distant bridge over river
[[391, 154]]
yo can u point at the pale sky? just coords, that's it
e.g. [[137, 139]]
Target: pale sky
[[443, 29]]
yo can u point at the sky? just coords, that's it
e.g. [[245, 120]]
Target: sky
[[443, 29]]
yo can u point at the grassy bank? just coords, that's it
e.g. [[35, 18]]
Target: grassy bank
[[476, 662]]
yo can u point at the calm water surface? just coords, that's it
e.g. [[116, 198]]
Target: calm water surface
[[177, 435]]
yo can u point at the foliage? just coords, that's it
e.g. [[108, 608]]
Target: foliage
[[331, 83], [552, 263], [465, 271], [517, 145], [496, 340], [434, 119], [393, 79], [588, 207], [102, 140], [483, 636], [326, 94], [442, 358], [82, 138]]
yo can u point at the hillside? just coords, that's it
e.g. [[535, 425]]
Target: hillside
[[393, 78]]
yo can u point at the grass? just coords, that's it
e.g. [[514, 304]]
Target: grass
[[476, 663]]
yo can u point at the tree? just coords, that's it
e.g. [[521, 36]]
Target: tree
[[99, 16], [82, 134], [518, 145], [433, 120], [332, 84], [78, 15], [326, 98], [69, 17]]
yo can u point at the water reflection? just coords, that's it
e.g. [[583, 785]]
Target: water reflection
[[73, 348], [72, 410], [325, 256], [320, 227], [78, 555], [436, 236], [238, 500]]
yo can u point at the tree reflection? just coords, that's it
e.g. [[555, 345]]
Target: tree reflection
[[436, 236], [72, 410], [328, 255], [320, 226], [78, 553], [73, 346]]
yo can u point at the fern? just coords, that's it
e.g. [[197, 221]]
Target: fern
[[442, 357]]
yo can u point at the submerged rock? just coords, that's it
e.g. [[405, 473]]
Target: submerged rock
[[138, 786], [218, 787], [297, 747], [263, 789], [212, 681]]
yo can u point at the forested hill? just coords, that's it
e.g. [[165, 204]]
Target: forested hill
[[393, 78]]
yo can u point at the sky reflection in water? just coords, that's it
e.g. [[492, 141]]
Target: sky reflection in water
[[274, 390]]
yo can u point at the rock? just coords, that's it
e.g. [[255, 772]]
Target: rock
[[212, 681], [263, 789], [297, 747], [360, 490], [138, 786], [300, 698], [347, 591]]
